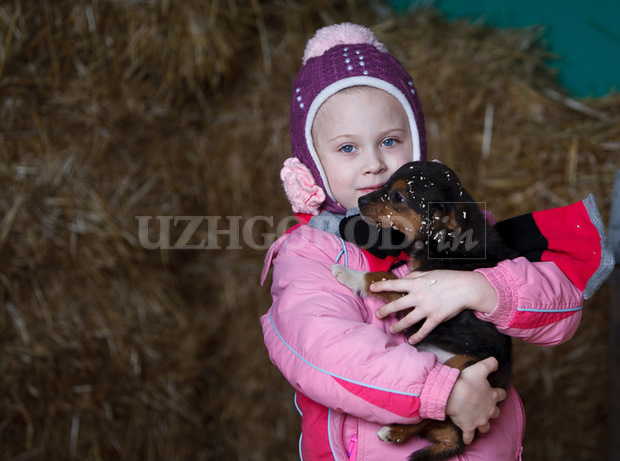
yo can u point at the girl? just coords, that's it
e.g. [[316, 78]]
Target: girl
[[356, 118]]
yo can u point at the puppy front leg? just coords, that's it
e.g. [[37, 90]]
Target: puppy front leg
[[360, 282]]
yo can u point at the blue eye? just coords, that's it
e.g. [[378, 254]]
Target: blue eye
[[348, 149], [388, 142]]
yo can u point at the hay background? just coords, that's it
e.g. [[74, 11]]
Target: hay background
[[117, 109]]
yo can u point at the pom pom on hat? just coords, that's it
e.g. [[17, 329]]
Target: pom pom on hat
[[340, 34]]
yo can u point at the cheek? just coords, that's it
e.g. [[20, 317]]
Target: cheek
[[342, 177], [403, 156], [343, 189], [333, 172]]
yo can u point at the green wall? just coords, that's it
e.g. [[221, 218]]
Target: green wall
[[585, 34]]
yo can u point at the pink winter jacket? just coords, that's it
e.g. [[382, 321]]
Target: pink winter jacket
[[352, 376]]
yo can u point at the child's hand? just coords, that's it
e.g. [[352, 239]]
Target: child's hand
[[437, 296], [473, 402]]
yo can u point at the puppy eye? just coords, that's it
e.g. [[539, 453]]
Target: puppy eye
[[397, 197]]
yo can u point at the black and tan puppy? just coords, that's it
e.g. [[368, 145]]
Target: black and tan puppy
[[444, 228]]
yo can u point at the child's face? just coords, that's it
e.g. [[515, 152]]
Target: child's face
[[361, 136]]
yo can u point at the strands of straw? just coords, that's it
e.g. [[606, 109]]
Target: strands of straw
[[116, 110]]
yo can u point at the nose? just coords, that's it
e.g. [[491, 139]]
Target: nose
[[374, 162], [363, 201]]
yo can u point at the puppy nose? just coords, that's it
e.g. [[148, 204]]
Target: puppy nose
[[363, 200]]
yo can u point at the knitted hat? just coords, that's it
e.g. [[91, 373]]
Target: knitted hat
[[338, 57]]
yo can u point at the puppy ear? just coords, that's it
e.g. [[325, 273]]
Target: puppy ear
[[444, 217], [451, 222]]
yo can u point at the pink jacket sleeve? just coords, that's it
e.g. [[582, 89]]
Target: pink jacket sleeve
[[329, 345], [540, 298], [536, 301]]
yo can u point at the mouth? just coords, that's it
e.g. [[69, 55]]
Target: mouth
[[370, 189]]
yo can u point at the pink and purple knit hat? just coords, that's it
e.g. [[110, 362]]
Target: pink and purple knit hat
[[338, 57]]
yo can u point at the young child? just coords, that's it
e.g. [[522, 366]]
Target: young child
[[356, 118]]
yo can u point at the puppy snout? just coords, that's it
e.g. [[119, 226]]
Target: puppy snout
[[363, 201]]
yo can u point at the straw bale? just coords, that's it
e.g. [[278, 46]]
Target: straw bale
[[113, 110]]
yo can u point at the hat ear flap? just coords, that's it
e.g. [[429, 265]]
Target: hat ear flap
[[301, 189]]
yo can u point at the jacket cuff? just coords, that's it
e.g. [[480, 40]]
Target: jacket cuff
[[437, 387], [507, 296]]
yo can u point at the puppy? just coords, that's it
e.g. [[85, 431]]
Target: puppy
[[444, 228]]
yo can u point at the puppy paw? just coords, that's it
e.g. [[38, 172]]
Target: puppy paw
[[351, 278], [385, 434]]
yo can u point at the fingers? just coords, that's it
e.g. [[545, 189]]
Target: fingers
[[473, 402], [395, 306], [408, 320], [384, 285], [468, 436], [484, 428], [423, 332], [434, 296], [403, 284], [489, 364], [412, 318], [501, 395]]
